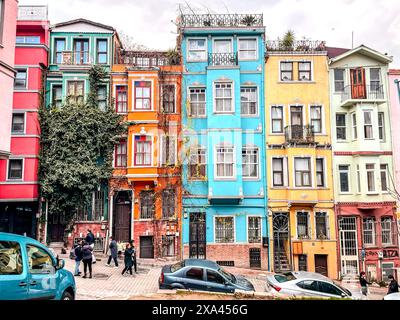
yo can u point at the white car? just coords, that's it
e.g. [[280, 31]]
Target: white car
[[307, 284], [392, 296]]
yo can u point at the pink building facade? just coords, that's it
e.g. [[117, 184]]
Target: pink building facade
[[19, 187], [394, 87], [8, 18]]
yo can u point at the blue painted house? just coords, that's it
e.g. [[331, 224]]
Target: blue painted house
[[224, 200]]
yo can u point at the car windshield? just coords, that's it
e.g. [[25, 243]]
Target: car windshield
[[284, 277], [228, 275], [177, 266], [344, 289]]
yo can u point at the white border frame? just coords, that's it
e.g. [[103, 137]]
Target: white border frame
[[134, 153], [253, 147], [225, 145], [18, 134], [23, 169], [187, 49], [258, 95], [284, 120], [188, 99], [233, 109], [247, 38]]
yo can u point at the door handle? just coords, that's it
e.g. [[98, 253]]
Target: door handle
[[23, 284], [33, 283]]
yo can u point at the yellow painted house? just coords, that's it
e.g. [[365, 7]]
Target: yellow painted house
[[299, 155]]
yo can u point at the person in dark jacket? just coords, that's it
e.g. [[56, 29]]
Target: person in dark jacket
[[128, 260], [132, 242], [393, 285], [90, 239], [364, 284], [87, 259], [78, 257], [113, 252]]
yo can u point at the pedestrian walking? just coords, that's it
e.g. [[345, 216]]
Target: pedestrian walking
[[113, 252], [78, 257], [128, 260], [364, 284], [134, 257], [393, 285], [90, 240], [87, 259]]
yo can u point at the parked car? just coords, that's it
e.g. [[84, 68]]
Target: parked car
[[392, 296], [202, 275], [31, 271], [307, 284]]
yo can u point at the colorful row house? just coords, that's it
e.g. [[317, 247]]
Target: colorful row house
[[19, 187], [224, 197], [363, 162], [145, 190], [299, 158]]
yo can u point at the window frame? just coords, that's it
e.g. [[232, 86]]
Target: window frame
[[56, 53], [386, 172], [198, 115], [25, 38], [76, 97], [23, 131], [371, 125], [135, 98], [103, 99], [135, 143], [197, 149], [321, 119], [22, 169], [233, 228], [322, 173], [56, 102], [308, 226], [309, 72], [257, 164], [342, 126], [285, 71], [381, 127], [369, 171], [224, 146], [390, 230], [281, 120], [188, 59], [310, 175], [365, 220], [232, 97], [25, 86], [317, 215], [249, 115], [98, 53], [164, 94], [171, 153], [152, 198], [121, 89], [335, 81], [347, 171], [255, 50], [375, 84], [121, 155], [354, 130], [16, 248], [284, 183], [166, 207], [250, 240], [30, 270]]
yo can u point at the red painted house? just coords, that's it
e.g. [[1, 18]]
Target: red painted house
[[19, 188]]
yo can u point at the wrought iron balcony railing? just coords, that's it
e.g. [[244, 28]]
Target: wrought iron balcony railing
[[362, 92], [299, 134], [147, 58], [220, 20], [223, 59], [306, 46]]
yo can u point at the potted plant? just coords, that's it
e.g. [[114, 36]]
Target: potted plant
[[248, 20], [288, 40], [173, 57]]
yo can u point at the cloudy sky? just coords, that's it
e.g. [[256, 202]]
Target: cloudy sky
[[375, 23]]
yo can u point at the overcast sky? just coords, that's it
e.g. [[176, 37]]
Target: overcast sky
[[375, 23]]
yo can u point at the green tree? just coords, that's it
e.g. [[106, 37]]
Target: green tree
[[288, 40]]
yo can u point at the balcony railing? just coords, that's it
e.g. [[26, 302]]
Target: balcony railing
[[299, 134], [299, 46], [222, 59], [146, 58], [75, 58], [353, 93], [33, 13], [220, 20]]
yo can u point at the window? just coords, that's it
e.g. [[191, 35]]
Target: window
[[40, 262], [102, 97], [98, 208], [277, 172], [223, 97], [225, 162], [59, 48], [168, 246], [369, 231], [329, 289], [76, 92], [368, 134], [197, 163], [354, 125], [15, 169], [57, 95], [147, 205], [370, 176], [344, 178], [339, 80], [277, 119], [142, 95], [321, 225], [286, 71], [195, 273], [381, 125], [250, 162], [27, 40], [340, 126], [102, 51], [309, 285], [121, 154], [320, 172], [81, 51], [168, 155], [304, 71], [224, 232], [254, 229], [316, 118], [197, 98], [386, 225], [143, 150], [11, 262], [213, 276], [121, 101], [247, 49], [168, 98], [358, 179], [18, 123], [384, 175], [222, 46], [20, 81], [302, 172], [197, 50], [375, 82], [168, 203], [248, 101], [302, 225]]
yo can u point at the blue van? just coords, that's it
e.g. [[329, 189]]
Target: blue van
[[29, 271]]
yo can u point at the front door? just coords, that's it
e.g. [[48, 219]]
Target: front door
[[57, 227], [357, 77], [321, 264], [348, 245], [122, 218], [146, 247], [197, 235]]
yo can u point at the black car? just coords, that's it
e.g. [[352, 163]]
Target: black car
[[202, 275]]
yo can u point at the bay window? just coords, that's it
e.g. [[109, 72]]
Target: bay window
[[250, 162], [142, 95], [223, 97], [143, 150], [225, 162], [302, 167]]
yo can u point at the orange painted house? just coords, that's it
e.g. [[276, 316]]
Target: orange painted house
[[145, 190]]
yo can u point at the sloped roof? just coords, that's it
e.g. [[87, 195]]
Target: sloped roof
[[81, 20], [333, 52], [384, 58]]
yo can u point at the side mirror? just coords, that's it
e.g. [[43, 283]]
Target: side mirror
[[343, 295], [60, 264]]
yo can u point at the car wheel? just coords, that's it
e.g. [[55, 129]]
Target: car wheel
[[67, 296]]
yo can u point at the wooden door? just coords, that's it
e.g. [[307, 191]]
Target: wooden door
[[321, 264], [357, 77], [146, 247], [122, 223]]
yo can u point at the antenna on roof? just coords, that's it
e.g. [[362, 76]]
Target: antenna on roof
[[352, 39]]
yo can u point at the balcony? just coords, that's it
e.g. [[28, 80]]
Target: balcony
[[71, 58], [223, 59], [297, 47], [147, 59], [220, 20], [299, 134], [361, 93]]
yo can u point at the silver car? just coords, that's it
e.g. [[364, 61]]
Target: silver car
[[392, 296], [307, 284]]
